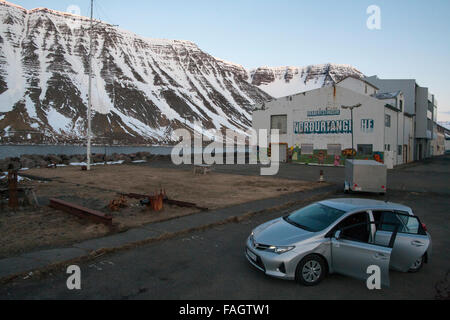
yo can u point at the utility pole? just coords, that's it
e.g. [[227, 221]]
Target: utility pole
[[89, 138], [353, 127]]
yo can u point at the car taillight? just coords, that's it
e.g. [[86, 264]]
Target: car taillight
[[383, 187], [424, 226]]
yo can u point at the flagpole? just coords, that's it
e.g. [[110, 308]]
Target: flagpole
[[89, 137]]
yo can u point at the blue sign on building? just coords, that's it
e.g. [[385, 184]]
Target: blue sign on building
[[323, 113], [367, 125], [323, 127]]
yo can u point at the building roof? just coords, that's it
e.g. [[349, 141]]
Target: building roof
[[444, 128], [363, 80], [388, 95]]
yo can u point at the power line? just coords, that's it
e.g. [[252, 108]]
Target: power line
[[100, 8]]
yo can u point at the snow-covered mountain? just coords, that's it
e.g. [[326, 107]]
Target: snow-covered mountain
[[285, 81], [143, 88]]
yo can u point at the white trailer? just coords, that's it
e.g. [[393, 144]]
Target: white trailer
[[365, 176]]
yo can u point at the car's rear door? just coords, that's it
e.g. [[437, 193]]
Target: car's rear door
[[411, 242], [353, 256]]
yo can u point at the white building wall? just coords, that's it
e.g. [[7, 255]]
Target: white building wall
[[396, 135], [359, 86], [447, 146], [391, 136], [297, 107], [409, 137]]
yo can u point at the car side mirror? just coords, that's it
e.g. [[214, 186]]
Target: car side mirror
[[338, 234]]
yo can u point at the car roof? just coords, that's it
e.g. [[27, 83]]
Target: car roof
[[349, 205]]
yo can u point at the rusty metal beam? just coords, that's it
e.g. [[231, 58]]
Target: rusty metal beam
[[81, 212]]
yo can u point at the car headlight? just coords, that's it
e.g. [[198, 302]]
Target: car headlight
[[281, 250]]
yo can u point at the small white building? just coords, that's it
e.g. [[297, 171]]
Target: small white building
[[316, 127], [447, 143], [439, 143]]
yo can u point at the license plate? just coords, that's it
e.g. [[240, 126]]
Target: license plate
[[252, 255]]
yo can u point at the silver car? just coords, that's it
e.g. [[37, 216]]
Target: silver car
[[343, 236]]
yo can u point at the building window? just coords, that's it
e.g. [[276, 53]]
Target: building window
[[280, 123], [334, 149], [387, 147], [401, 105], [400, 150], [365, 149], [387, 120], [307, 149]]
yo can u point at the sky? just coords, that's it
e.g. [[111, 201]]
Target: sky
[[413, 42]]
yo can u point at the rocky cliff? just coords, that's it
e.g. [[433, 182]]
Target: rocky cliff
[[143, 88]]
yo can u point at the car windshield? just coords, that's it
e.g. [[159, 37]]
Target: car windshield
[[315, 217]]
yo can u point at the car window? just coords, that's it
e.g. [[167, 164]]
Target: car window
[[410, 224], [315, 217], [355, 227], [356, 218], [392, 219], [388, 219], [361, 233]]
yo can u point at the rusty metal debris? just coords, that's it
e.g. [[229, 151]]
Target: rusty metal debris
[[16, 195], [81, 212], [117, 204], [156, 202], [146, 200]]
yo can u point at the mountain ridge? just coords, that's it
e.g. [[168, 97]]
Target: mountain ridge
[[284, 81], [143, 88]]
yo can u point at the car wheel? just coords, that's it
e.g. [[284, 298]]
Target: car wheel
[[418, 265], [311, 271]]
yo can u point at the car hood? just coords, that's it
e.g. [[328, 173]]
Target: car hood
[[280, 233]]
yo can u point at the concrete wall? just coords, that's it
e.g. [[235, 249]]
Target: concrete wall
[[409, 137], [394, 136], [438, 144], [422, 131]]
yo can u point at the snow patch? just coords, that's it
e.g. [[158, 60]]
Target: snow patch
[[57, 121]]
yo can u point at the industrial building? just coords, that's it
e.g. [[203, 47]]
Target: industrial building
[[441, 145], [420, 103], [318, 127]]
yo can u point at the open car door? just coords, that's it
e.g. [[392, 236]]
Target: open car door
[[352, 256], [411, 243]]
